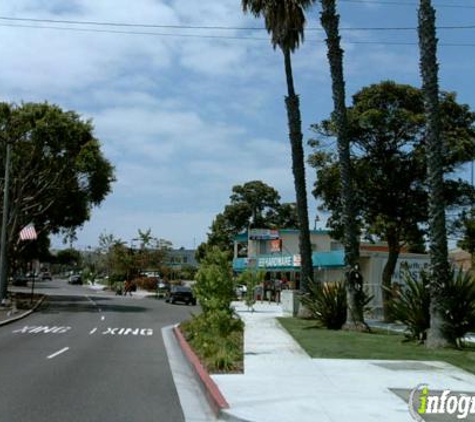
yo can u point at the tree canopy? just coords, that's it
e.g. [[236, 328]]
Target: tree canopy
[[58, 171], [387, 132], [253, 204]]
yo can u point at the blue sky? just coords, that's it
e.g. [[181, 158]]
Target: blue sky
[[184, 119]]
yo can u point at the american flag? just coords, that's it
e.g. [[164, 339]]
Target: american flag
[[28, 232]]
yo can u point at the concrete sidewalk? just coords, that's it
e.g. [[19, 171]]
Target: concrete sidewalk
[[282, 383]]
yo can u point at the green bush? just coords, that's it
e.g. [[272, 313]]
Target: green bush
[[459, 305], [411, 304], [218, 341], [146, 283], [214, 287], [326, 302], [216, 334]]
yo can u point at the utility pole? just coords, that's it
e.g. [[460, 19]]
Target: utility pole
[[3, 238]]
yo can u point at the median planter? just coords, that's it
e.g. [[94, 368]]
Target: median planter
[[211, 391]]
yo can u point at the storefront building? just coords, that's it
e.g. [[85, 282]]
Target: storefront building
[[277, 253]]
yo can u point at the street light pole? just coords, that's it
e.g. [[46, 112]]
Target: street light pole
[[3, 238]]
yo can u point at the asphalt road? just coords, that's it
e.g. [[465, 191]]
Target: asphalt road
[[86, 357]]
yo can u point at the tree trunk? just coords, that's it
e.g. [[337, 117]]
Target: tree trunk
[[440, 271], [330, 20], [298, 169], [393, 255]]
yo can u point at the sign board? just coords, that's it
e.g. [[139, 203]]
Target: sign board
[[263, 234], [276, 245], [279, 261]]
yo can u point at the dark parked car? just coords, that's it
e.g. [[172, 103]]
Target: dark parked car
[[181, 294], [75, 279], [20, 280]]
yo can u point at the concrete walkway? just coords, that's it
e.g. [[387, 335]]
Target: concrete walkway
[[282, 383]]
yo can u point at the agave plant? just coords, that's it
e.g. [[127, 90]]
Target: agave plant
[[459, 304], [326, 302], [411, 305]]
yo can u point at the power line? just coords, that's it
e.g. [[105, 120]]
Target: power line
[[402, 3], [212, 27], [204, 36]]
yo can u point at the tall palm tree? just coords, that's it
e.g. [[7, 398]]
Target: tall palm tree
[[440, 271], [330, 21], [285, 21]]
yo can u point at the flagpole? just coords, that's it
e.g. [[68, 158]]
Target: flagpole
[[3, 238]]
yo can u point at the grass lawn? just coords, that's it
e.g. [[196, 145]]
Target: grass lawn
[[323, 343]]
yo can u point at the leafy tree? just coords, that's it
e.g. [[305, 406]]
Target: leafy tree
[[58, 171], [68, 257], [253, 203], [285, 21], [440, 269], [330, 21], [387, 129]]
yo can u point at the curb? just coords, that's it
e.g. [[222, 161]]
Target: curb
[[213, 395], [23, 315]]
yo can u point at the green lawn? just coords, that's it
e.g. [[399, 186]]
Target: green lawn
[[323, 343]]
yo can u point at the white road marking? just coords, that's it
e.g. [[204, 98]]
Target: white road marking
[[93, 331], [128, 331], [58, 353], [103, 318], [39, 329]]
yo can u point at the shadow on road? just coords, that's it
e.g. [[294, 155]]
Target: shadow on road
[[57, 304]]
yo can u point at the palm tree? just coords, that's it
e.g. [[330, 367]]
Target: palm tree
[[330, 20], [440, 271], [285, 21]]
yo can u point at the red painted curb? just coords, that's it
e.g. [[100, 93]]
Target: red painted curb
[[212, 392]]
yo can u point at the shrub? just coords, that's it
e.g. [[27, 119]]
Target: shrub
[[219, 346], [411, 304], [216, 334], [214, 287], [459, 305], [146, 283], [326, 302]]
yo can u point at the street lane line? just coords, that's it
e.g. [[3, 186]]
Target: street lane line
[[93, 331], [58, 353], [103, 318]]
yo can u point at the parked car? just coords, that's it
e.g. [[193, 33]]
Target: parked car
[[46, 275], [181, 294], [20, 280], [75, 279]]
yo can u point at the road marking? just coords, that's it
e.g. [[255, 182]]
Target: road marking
[[93, 331], [39, 329], [128, 331], [103, 318], [58, 353]]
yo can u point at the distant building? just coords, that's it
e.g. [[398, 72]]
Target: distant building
[[461, 259], [277, 253], [178, 258]]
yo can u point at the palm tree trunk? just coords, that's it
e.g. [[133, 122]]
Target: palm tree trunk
[[330, 20], [298, 168], [440, 271], [388, 271]]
